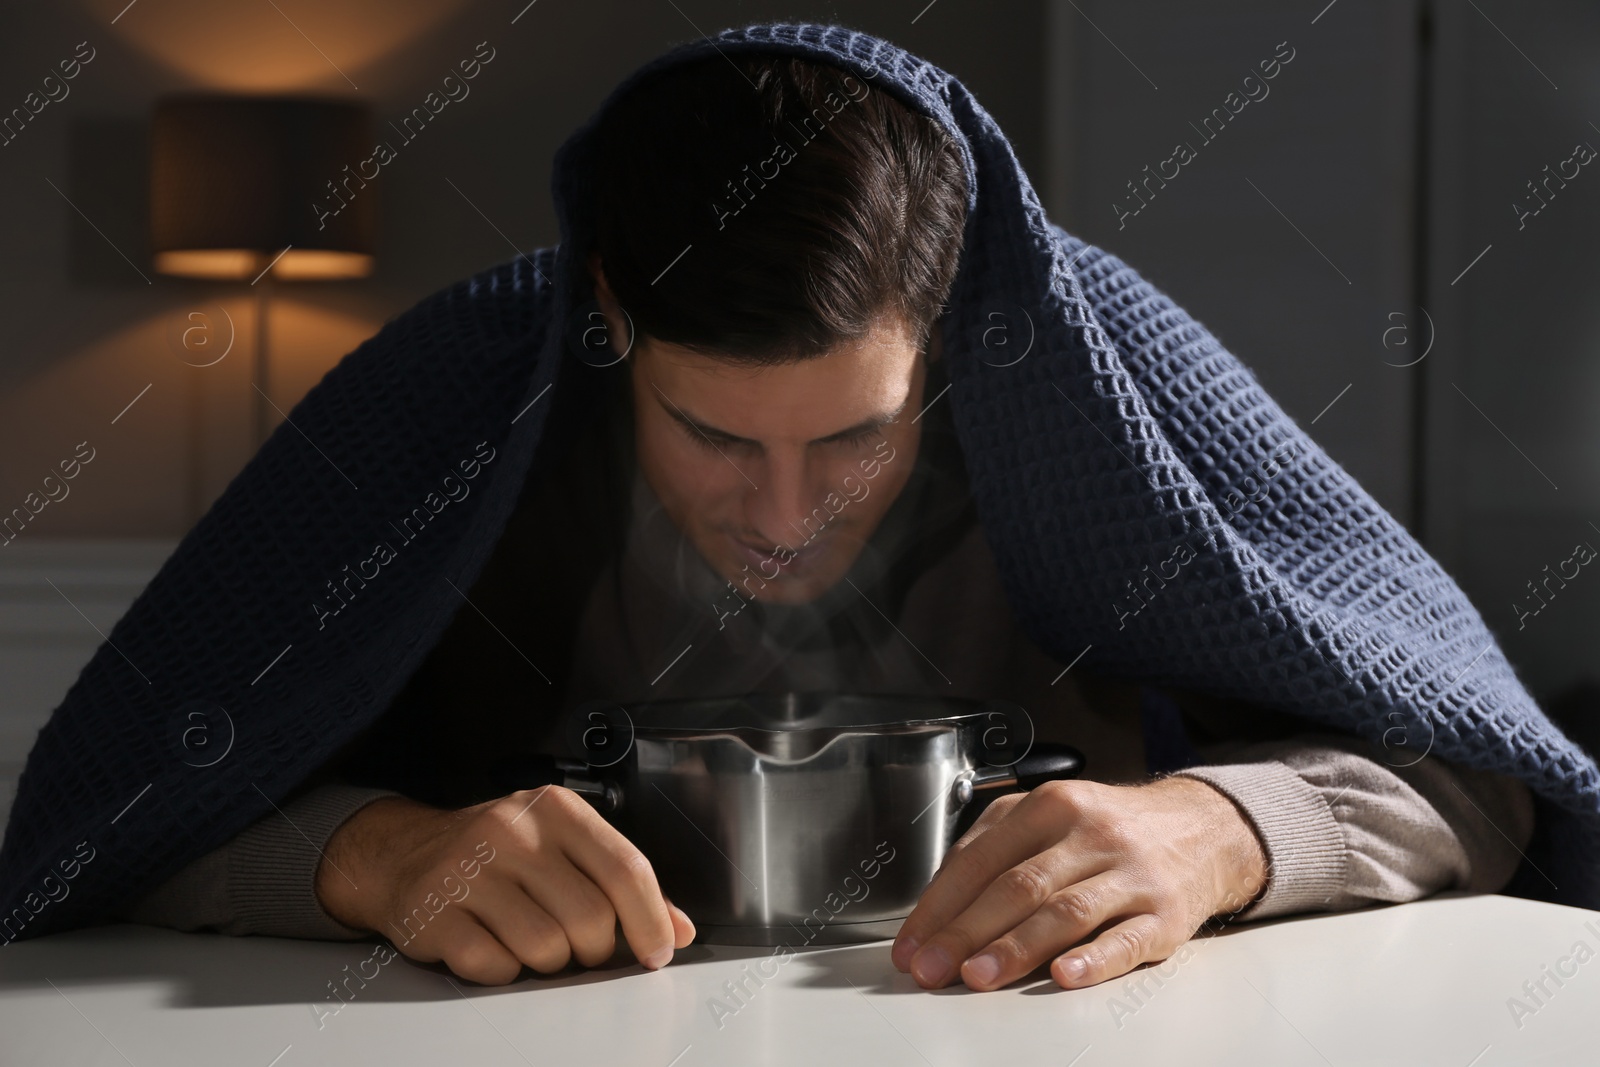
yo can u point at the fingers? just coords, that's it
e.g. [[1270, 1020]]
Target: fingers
[[1116, 952], [963, 876], [993, 812], [585, 916], [624, 875], [564, 881], [1066, 917], [1011, 899], [527, 930], [682, 926], [904, 946], [1011, 867], [1127, 868], [467, 948]]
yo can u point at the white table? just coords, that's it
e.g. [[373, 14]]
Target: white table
[[1422, 983]]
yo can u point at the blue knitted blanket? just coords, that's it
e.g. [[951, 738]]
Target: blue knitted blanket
[[1148, 505]]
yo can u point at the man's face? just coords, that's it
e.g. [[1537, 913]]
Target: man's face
[[752, 464]]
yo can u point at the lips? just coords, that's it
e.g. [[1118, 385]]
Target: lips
[[773, 557]]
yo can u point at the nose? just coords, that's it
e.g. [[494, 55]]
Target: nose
[[787, 505]]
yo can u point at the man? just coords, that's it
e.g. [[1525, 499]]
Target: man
[[770, 494]]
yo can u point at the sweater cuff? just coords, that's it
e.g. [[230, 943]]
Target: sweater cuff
[[273, 866], [1302, 840]]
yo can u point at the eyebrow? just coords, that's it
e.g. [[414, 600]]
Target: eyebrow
[[871, 422]]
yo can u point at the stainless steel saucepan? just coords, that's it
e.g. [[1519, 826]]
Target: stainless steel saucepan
[[801, 817]]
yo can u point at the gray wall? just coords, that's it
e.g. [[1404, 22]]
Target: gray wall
[[1515, 488], [1289, 232], [1496, 494]]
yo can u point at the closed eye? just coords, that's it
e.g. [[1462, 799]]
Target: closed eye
[[860, 437], [710, 442], [718, 443]]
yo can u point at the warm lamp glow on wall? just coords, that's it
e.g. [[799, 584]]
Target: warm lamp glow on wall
[[240, 188]]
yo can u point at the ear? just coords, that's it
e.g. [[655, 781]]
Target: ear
[[616, 324]]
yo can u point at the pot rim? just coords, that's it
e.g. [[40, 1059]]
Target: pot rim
[[802, 712], [772, 724]]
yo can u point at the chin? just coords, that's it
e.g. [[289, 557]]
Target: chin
[[790, 586], [792, 591]]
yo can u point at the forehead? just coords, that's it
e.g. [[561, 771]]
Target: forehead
[[801, 400]]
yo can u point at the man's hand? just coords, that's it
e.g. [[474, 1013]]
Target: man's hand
[[536, 878], [1140, 866]]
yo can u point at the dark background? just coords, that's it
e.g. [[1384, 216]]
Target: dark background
[[1329, 235]]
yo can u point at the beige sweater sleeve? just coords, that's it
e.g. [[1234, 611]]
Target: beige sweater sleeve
[[263, 880], [1342, 829]]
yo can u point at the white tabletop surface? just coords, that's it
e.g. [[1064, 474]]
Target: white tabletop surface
[[1431, 982]]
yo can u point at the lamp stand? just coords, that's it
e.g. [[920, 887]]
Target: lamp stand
[[263, 361]]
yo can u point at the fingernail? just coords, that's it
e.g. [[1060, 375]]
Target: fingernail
[[983, 969], [1073, 967], [659, 959], [904, 951], [932, 966]]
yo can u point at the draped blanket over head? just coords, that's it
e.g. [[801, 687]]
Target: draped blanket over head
[[1143, 497]]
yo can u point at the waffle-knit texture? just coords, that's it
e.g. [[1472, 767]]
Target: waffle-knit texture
[[1125, 432]]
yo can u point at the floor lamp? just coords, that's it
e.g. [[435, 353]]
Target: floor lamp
[[260, 190]]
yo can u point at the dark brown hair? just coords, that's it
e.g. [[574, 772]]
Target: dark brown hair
[[808, 199]]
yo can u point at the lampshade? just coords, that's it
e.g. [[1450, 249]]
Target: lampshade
[[235, 180]]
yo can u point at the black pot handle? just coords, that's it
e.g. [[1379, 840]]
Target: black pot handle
[[530, 771], [1046, 761]]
